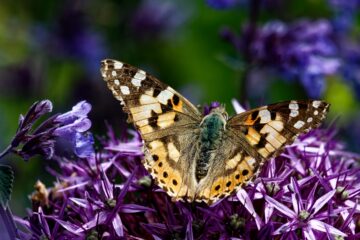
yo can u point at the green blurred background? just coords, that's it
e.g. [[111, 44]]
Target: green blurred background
[[52, 50]]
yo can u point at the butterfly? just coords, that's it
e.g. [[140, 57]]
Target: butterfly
[[193, 157]]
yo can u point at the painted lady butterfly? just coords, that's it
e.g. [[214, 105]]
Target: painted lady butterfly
[[204, 158]]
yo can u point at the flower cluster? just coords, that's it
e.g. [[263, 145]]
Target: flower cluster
[[311, 191], [303, 50], [59, 132]]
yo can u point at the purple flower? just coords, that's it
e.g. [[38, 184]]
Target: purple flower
[[303, 50], [207, 109], [71, 136], [311, 191], [62, 134]]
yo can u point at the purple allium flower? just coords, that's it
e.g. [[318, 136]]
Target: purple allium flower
[[311, 191], [303, 50]]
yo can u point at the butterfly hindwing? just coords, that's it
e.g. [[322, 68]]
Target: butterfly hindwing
[[231, 168], [269, 128]]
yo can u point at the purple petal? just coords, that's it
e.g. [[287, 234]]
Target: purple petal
[[245, 200], [80, 202], [135, 208], [296, 197], [43, 222], [311, 197], [268, 212], [321, 226], [98, 219], [237, 106], [309, 234], [69, 226], [287, 227], [281, 207], [322, 201], [189, 230], [118, 226], [80, 110]]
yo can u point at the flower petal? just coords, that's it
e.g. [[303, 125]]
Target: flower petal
[[118, 226], [245, 200], [281, 207], [322, 201], [238, 108], [287, 227], [321, 226], [309, 234]]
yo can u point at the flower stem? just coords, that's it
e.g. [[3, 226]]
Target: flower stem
[[6, 151]]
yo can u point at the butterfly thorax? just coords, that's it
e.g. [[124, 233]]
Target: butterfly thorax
[[211, 133]]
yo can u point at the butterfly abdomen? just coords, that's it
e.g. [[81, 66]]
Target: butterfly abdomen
[[212, 129]]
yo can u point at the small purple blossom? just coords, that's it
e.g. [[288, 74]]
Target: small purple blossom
[[70, 135], [311, 191], [57, 134], [208, 108]]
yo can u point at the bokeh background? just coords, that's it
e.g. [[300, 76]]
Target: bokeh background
[[259, 52]]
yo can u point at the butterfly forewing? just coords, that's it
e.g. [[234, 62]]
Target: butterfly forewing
[[269, 128]]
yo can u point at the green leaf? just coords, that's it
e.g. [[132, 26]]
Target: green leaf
[[6, 182]]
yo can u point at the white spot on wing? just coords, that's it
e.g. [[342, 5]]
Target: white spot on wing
[[118, 65], [316, 112], [294, 113], [125, 90], [164, 96], [299, 124], [113, 73], [310, 119], [233, 162], [277, 125], [316, 104], [265, 116], [141, 75], [136, 82], [293, 105], [117, 82], [146, 99], [174, 153]]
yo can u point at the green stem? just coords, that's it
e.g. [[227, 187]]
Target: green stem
[[6, 151]]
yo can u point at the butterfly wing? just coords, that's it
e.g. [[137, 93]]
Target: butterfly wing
[[266, 130], [251, 138], [166, 121], [229, 170]]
